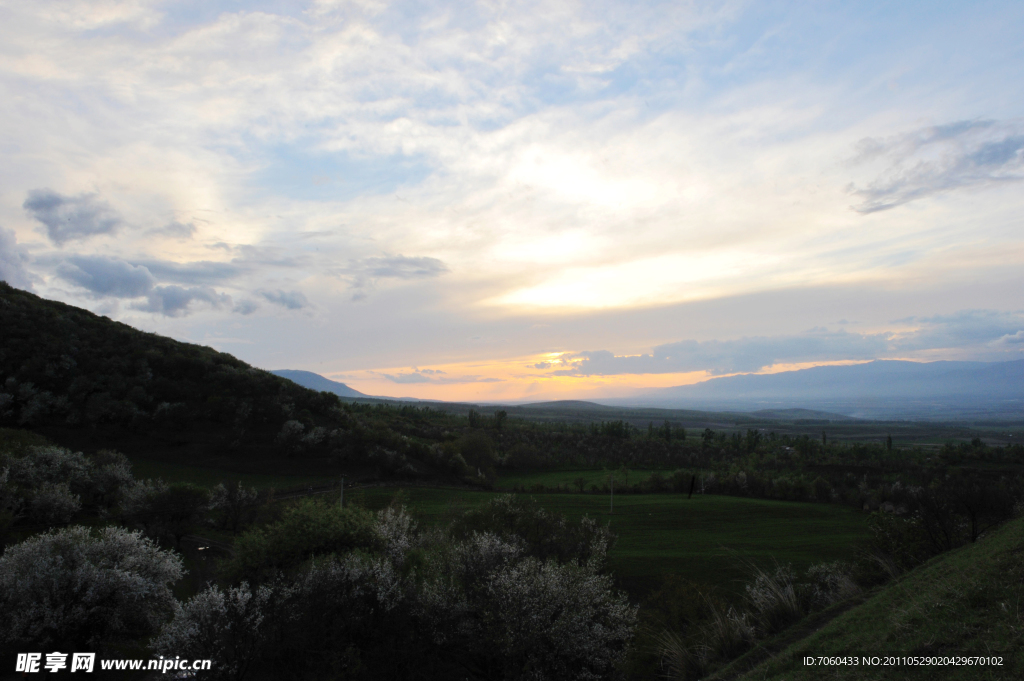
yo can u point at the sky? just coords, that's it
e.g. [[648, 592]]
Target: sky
[[523, 201]]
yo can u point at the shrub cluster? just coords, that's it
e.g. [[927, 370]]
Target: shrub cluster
[[326, 592]]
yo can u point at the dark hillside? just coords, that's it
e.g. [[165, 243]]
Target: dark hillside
[[90, 382], [963, 603]]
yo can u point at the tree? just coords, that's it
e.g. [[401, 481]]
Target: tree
[[111, 474], [478, 606], [69, 589], [310, 528], [234, 506], [579, 627], [229, 627], [478, 453], [136, 503], [54, 504], [179, 509], [545, 535]]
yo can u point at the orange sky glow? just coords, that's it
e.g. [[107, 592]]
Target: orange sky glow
[[517, 380]]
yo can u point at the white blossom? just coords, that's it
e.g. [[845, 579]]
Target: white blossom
[[51, 464], [69, 587], [53, 503], [396, 531], [227, 627]]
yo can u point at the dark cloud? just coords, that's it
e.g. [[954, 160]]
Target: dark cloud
[[107, 276], [967, 328], [13, 259], [363, 273], [293, 300], [178, 230], [111, 277], [399, 267], [731, 356], [68, 218], [176, 301], [983, 333], [431, 376], [193, 273], [245, 307], [408, 378], [941, 158]]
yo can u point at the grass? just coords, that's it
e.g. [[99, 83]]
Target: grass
[[968, 602], [567, 478], [704, 539]]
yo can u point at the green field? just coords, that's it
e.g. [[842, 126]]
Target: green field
[[706, 539], [567, 478]]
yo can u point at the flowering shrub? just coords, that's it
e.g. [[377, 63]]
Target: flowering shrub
[[68, 588], [477, 607], [54, 504], [227, 626]]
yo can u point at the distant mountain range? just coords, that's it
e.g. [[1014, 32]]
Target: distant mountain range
[[307, 379], [883, 389], [879, 389]]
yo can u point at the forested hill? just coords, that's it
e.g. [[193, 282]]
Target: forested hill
[[91, 382]]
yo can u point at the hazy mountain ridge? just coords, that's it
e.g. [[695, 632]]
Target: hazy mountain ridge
[[308, 379], [883, 388]]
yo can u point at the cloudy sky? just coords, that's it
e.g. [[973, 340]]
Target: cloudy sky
[[503, 201]]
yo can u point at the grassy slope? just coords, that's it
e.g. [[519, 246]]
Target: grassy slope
[[965, 602], [703, 539]]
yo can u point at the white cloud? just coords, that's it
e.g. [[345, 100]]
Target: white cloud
[[941, 158], [13, 261]]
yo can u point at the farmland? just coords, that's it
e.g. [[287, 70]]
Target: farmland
[[706, 539]]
